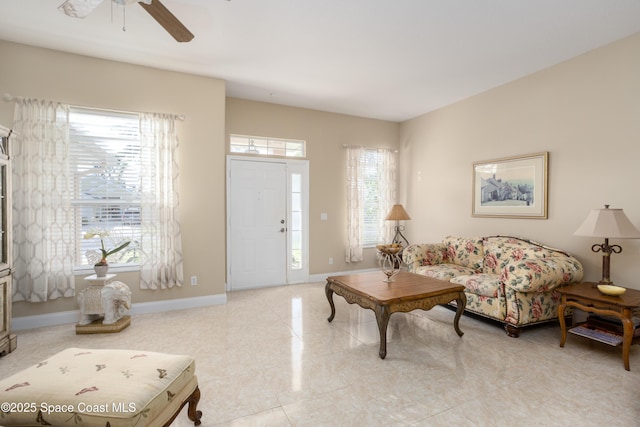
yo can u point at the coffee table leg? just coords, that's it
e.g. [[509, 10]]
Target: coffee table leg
[[382, 317], [329, 293], [461, 303]]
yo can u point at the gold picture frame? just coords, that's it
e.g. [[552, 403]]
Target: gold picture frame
[[511, 187]]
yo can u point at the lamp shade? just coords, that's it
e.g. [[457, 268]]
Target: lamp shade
[[397, 214], [608, 223]]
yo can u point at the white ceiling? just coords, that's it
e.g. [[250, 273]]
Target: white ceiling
[[386, 59]]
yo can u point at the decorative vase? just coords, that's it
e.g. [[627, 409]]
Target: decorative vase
[[101, 270], [389, 265]]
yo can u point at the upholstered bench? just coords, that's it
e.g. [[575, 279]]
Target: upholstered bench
[[115, 388]]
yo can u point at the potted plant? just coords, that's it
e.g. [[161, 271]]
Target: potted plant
[[102, 266]]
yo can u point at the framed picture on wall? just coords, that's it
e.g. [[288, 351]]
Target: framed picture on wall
[[511, 187]]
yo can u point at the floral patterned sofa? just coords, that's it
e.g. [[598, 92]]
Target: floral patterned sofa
[[508, 279]]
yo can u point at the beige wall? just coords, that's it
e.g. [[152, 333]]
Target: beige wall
[[325, 134], [585, 112], [80, 80]]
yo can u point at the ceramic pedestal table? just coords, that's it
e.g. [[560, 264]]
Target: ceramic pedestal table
[[103, 306]]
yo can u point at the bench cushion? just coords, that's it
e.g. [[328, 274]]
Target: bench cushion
[[94, 387]]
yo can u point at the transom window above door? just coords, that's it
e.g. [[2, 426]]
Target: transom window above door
[[265, 146]]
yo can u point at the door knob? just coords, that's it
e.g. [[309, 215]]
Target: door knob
[[282, 230]]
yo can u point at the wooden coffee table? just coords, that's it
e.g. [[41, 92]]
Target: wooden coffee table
[[408, 292]]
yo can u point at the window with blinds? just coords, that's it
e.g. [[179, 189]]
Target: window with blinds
[[371, 207], [104, 157]]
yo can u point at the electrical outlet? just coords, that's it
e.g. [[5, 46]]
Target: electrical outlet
[[330, 261], [194, 280]]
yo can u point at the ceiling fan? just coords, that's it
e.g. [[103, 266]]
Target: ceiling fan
[[82, 8]]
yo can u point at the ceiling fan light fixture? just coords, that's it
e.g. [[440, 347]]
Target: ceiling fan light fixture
[[79, 8], [82, 8]]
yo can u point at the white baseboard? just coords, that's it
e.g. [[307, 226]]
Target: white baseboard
[[72, 316], [40, 320], [323, 276]]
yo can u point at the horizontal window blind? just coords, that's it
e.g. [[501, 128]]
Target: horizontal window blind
[[370, 162], [104, 156]]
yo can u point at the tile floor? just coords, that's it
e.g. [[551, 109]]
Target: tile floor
[[270, 358]]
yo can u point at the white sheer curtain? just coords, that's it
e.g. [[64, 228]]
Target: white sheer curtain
[[387, 174], [43, 257], [161, 242], [355, 200], [383, 161]]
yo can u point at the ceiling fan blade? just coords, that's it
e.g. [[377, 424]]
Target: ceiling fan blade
[[79, 8], [168, 21]]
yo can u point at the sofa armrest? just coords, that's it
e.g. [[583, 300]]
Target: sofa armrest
[[541, 274], [424, 254]]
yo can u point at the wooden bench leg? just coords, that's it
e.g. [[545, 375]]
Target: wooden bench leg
[[193, 413]]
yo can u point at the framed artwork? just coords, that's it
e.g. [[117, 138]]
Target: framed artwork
[[512, 187]]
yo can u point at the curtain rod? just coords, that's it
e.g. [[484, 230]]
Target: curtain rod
[[7, 97]]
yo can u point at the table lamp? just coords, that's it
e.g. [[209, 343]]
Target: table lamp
[[609, 224], [398, 214]]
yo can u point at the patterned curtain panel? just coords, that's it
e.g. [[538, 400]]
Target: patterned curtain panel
[[387, 172], [355, 200], [43, 257], [371, 193], [161, 241]]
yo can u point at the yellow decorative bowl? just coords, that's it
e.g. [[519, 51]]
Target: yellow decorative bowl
[[611, 290], [390, 249]]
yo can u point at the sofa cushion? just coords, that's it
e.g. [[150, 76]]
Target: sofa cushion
[[465, 251], [499, 251], [444, 271], [483, 284], [424, 254], [542, 274]]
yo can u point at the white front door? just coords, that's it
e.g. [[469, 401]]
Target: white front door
[[257, 224]]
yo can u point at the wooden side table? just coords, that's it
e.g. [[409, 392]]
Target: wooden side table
[[587, 297]]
